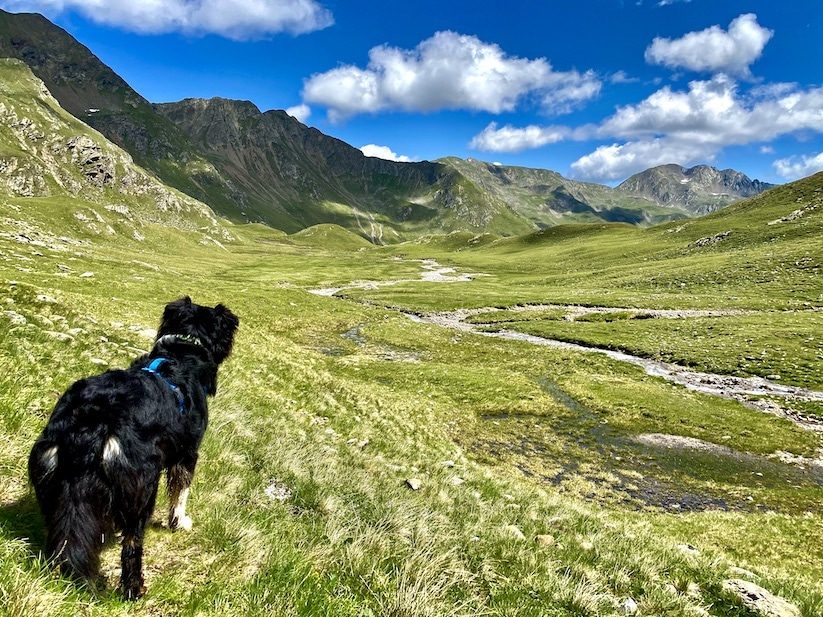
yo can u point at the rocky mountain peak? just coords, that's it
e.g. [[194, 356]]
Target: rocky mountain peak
[[699, 189]]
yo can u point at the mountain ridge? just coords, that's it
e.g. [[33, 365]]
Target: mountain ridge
[[699, 189], [265, 166]]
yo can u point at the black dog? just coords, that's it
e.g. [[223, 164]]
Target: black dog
[[97, 465]]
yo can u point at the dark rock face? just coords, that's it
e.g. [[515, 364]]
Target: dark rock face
[[97, 167], [699, 190]]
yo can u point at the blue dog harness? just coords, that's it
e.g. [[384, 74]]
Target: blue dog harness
[[153, 369]]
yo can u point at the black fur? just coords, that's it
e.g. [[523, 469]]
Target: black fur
[[84, 497]]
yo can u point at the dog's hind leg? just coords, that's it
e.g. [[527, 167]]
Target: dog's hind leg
[[131, 555], [179, 480]]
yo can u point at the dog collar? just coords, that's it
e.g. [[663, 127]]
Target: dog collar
[[185, 338], [153, 367]]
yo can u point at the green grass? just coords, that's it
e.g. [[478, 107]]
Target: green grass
[[524, 426], [342, 400]]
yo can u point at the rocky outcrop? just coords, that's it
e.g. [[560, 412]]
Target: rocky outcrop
[[97, 167]]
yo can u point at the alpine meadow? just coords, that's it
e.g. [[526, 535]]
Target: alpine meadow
[[459, 386]]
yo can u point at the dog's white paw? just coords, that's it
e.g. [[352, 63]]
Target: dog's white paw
[[177, 521]]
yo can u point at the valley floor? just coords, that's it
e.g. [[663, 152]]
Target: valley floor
[[552, 480]]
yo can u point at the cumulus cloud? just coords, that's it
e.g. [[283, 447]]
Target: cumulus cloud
[[799, 166], [714, 111], [300, 112], [675, 126], [447, 71], [694, 125], [513, 139], [715, 50], [618, 161], [233, 19], [384, 152]]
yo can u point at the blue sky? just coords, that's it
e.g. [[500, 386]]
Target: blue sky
[[595, 89]]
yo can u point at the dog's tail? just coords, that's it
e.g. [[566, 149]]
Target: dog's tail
[[74, 500]]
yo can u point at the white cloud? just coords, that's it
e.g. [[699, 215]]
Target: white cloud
[[300, 112], [799, 166], [766, 150], [715, 112], [675, 126], [233, 19], [670, 2], [447, 71], [690, 126], [384, 152], [513, 139], [714, 49], [618, 161], [621, 77]]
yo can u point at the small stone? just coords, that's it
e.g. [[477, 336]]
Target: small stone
[[145, 332], [693, 590], [362, 443], [44, 299], [586, 545], [98, 362], [75, 331], [414, 483], [59, 336], [759, 600], [629, 606], [545, 539], [87, 275], [277, 491], [475, 539], [514, 532], [15, 318], [448, 464], [456, 481], [688, 549]]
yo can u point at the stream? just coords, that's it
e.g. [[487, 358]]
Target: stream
[[741, 389]]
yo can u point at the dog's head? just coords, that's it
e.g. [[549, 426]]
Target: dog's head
[[213, 327]]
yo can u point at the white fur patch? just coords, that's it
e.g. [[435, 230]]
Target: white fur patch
[[49, 459], [179, 511], [112, 450]]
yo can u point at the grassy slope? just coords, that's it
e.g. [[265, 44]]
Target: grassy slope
[[352, 539], [542, 438]]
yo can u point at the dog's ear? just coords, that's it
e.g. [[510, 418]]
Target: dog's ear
[[225, 324], [172, 313]]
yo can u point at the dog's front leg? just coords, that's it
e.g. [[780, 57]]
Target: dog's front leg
[[179, 480]]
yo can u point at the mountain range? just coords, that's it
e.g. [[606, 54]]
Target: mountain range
[[253, 166]]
